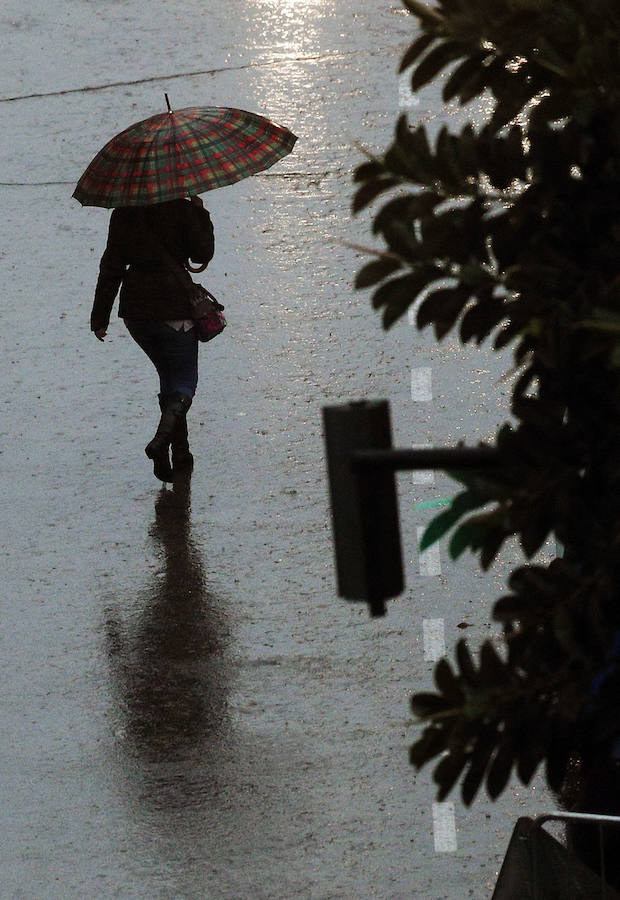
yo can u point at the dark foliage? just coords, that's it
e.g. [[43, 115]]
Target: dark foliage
[[510, 233]]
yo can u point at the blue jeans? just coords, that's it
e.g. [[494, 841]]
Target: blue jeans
[[173, 353]]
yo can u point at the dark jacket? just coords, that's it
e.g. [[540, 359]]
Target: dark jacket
[[150, 290]]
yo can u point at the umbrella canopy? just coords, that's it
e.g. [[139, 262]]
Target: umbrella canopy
[[179, 153]]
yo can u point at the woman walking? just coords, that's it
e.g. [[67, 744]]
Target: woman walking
[[145, 173], [156, 309]]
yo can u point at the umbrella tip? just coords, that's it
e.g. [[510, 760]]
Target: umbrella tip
[[168, 102]]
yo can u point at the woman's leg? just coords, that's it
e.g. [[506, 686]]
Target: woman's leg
[[182, 368], [182, 458], [147, 336], [175, 357], [180, 352]]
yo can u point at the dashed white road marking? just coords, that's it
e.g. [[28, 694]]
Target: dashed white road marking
[[430, 560], [434, 636], [444, 821], [406, 98], [423, 476], [444, 827], [421, 384]]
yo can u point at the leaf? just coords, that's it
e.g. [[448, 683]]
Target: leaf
[[492, 669], [478, 764], [462, 503], [431, 744], [410, 155], [394, 310], [426, 14], [466, 664], [408, 209], [371, 190], [376, 271], [400, 293], [448, 158], [536, 530], [369, 170], [438, 527], [491, 547], [406, 285], [434, 62], [512, 149], [425, 705], [507, 334], [406, 159], [415, 50], [558, 757], [470, 534], [415, 140], [524, 382], [475, 86], [467, 149], [467, 75], [477, 278], [529, 757], [447, 772], [447, 683], [499, 772], [481, 318], [403, 241], [555, 106], [442, 308], [511, 608], [538, 580], [457, 234], [511, 93]]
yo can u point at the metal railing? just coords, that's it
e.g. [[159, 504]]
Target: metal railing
[[538, 866], [586, 819]]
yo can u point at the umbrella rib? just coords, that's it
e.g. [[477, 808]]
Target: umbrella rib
[[140, 162], [191, 159], [181, 150], [146, 159]]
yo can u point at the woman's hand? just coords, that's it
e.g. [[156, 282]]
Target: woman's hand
[[100, 333], [196, 200]]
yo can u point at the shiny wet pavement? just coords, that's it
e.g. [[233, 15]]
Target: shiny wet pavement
[[188, 711]]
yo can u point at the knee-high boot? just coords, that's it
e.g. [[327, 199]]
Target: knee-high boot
[[182, 458], [173, 408]]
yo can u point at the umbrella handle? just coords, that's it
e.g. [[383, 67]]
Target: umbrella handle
[[199, 268]]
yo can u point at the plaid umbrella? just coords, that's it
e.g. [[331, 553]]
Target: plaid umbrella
[[176, 154]]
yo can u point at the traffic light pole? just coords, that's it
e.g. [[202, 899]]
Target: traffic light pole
[[361, 465]]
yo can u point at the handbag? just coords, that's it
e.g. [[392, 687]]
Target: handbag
[[207, 313], [206, 310]]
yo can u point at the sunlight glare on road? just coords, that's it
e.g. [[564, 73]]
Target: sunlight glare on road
[[290, 27]]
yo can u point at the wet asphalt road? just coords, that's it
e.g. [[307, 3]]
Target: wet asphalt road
[[188, 710]]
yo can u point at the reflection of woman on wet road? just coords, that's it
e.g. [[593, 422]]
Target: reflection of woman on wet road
[[168, 663], [156, 311]]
